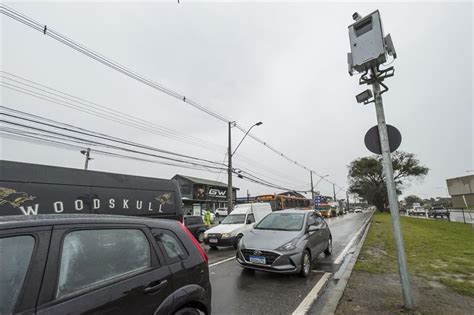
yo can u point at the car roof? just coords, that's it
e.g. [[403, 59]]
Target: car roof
[[293, 210], [16, 221]]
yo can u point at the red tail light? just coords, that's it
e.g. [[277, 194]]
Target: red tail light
[[196, 243]]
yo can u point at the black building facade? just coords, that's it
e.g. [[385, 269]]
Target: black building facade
[[200, 194]]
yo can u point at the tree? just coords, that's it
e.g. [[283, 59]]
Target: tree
[[366, 176], [410, 200]]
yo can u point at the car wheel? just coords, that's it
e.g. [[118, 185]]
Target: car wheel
[[237, 239], [189, 311], [213, 247], [328, 250], [305, 264], [200, 237]]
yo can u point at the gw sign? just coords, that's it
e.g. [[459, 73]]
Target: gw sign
[[217, 193]]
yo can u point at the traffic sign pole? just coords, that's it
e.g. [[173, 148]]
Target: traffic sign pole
[[392, 194]]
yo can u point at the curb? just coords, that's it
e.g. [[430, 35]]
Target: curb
[[336, 294]]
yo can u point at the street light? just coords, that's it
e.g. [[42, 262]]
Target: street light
[[256, 124], [229, 164], [87, 153], [322, 177]]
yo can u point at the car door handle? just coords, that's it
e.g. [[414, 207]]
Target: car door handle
[[152, 287]]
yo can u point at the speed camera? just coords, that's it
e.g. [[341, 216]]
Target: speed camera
[[369, 48]]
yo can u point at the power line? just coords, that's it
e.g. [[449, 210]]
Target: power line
[[71, 128], [55, 137], [12, 133], [80, 107], [134, 75]]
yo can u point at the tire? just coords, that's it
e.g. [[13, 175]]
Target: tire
[[200, 237], [237, 239], [188, 311], [213, 247], [305, 264], [328, 250]]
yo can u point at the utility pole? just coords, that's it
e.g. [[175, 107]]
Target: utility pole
[[229, 171], [392, 193], [229, 165], [334, 191], [312, 187], [348, 203], [248, 196], [87, 153]]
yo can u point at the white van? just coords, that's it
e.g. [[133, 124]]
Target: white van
[[236, 224]]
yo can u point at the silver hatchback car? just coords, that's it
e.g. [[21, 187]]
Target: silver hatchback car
[[286, 241]]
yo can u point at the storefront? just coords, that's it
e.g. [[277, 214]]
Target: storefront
[[200, 194]]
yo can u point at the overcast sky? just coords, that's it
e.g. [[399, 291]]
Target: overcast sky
[[281, 63]]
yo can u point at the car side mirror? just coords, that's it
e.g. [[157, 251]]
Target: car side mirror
[[220, 222], [249, 221], [313, 228]]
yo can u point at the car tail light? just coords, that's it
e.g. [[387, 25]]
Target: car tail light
[[196, 243]]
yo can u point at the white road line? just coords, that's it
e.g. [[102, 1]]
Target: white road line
[[221, 261], [349, 245], [312, 295]]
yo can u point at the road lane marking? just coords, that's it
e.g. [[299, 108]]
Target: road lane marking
[[221, 261], [312, 295], [349, 245]]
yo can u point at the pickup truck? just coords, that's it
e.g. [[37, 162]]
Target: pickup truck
[[417, 211], [438, 211]]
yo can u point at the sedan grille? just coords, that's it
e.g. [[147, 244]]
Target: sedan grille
[[270, 257]]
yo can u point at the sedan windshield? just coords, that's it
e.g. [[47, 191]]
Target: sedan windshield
[[282, 222], [234, 219]]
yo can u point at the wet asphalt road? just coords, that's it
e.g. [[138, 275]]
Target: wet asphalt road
[[238, 291]]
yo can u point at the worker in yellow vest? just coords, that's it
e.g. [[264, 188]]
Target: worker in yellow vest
[[207, 218]]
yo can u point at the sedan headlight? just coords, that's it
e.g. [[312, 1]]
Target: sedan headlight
[[226, 235], [289, 246]]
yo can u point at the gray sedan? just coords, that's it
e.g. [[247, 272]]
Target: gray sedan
[[286, 241]]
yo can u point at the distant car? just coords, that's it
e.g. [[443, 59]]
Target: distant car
[[438, 211], [221, 212], [285, 241], [351, 210], [358, 210], [195, 225], [101, 264]]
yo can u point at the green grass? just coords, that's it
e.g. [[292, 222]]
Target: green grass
[[436, 250]]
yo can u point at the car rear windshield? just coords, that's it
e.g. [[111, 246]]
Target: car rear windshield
[[234, 219], [282, 222]]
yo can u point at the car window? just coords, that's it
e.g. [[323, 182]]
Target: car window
[[173, 247], [311, 219], [15, 258], [90, 257], [319, 221], [251, 218], [282, 222]]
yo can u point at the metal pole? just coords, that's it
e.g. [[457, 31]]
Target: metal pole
[[334, 191], [312, 187], [465, 202], [248, 196], [392, 195], [88, 152], [229, 172], [347, 198]]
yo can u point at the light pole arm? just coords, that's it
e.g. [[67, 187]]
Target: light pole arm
[[242, 139]]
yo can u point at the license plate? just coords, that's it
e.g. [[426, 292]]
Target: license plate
[[213, 240], [258, 259]]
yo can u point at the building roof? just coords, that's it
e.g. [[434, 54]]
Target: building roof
[[204, 181]]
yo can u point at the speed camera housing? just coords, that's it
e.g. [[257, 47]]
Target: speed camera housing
[[368, 45]]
